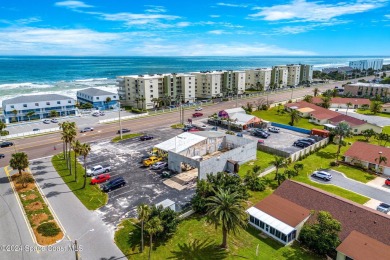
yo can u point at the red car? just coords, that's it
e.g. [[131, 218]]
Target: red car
[[100, 178], [193, 130], [387, 181], [197, 114]]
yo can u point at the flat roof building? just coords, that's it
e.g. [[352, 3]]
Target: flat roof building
[[98, 98], [374, 64]]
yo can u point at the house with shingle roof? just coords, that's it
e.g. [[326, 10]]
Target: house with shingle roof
[[291, 202]]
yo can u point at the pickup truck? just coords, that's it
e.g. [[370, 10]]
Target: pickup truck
[[98, 169], [151, 160]]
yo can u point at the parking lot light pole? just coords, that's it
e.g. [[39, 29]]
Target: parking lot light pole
[[120, 121]]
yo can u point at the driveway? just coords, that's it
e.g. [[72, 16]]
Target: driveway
[[338, 179]]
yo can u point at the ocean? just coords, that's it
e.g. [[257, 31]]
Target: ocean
[[24, 75]]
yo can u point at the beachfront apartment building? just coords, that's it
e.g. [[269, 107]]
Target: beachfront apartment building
[[293, 74], [30, 107], [179, 87], [374, 64], [368, 90], [98, 98], [208, 84], [306, 75], [258, 79], [233, 82], [279, 76]]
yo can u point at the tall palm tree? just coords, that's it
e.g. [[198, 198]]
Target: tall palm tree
[[342, 130], [19, 161], [29, 114], [226, 209], [63, 126], [85, 149], [381, 159], [376, 107], [153, 226], [76, 149], [294, 116], [2, 126], [15, 112], [316, 91], [143, 211], [349, 104], [142, 99], [108, 100], [278, 162], [137, 100]]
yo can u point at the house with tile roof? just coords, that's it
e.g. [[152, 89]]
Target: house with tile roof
[[366, 155], [356, 124], [385, 108], [288, 206], [339, 102]]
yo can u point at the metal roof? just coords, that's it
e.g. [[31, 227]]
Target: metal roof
[[165, 203], [180, 143], [95, 92], [35, 98], [271, 221]]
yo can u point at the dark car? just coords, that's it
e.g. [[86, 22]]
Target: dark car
[[262, 131], [308, 140], [2, 155], [301, 144], [86, 129], [6, 144], [188, 127], [124, 130], [146, 137], [260, 134], [36, 129], [114, 184], [383, 207]]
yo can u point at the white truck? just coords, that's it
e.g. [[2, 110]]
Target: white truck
[[98, 169]]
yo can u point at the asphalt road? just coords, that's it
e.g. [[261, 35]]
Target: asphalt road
[[358, 187]]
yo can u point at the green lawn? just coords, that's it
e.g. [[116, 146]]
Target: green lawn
[[386, 129], [177, 126], [91, 196], [124, 137], [197, 239], [263, 160], [369, 113], [283, 117]]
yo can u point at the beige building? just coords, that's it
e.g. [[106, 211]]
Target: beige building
[[233, 82], [293, 74], [208, 84], [361, 89], [306, 73], [279, 76], [259, 79], [180, 87]]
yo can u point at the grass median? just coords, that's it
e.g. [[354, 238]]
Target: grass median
[[125, 137], [91, 196]]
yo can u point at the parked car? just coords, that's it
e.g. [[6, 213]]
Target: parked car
[[36, 129], [166, 174], [262, 131], [188, 127], [301, 144], [143, 158], [152, 160], [260, 141], [98, 169], [114, 184], [46, 121], [239, 135], [6, 144], [146, 137], [203, 126], [159, 165], [197, 114], [54, 120], [198, 109], [193, 130], [124, 130], [383, 207], [100, 178], [274, 129], [387, 181], [96, 114], [2, 155], [86, 129], [101, 113], [260, 134], [308, 140], [322, 175]]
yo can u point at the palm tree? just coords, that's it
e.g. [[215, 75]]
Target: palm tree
[[85, 149], [342, 130], [142, 99], [137, 100], [15, 112], [153, 226], [53, 113], [308, 98], [316, 91], [226, 209], [76, 149], [2, 126], [63, 126], [108, 100], [30, 114], [19, 161], [326, 101], [349, 104], [298, 167], [294, 116], [143, 211], [376, 107], [381, 159], [278, 162], [154, 100]]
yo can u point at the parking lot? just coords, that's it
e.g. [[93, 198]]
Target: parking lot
[[144, 185]]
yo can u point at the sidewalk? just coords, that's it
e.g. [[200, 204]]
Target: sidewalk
[[74, 217]]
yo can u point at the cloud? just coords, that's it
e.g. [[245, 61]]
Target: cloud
[[183, 24], [72, 4], [21, 22], [214, 15], [387, 16], [155, 9], [304, 28], [301, 10], [217, 32], [233, 5]]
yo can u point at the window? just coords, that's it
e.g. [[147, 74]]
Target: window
[[58, 102], [97, 98], [69, 101], [256, 222], [24, 105], [283, 237], [262, 224], [355, 130], [277, 233], [114, 96], [12, 106], [151, 96], [151, 91], [251, 219], [48, 103], [272, 230], [37, 104]]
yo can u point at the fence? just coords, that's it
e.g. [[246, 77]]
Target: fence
[[271, 150], [122, 118], [292, 128], [306, 151], [39, 132]]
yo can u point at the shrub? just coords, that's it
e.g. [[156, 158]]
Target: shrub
[[24, 179], [265, 107], [225, 99], [334, 163], [4, 133], [229, 133], [48, 229]]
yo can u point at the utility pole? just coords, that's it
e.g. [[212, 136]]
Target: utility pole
[[76, 250], [120, 121]]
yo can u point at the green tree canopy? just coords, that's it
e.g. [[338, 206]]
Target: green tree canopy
[[19, 161]]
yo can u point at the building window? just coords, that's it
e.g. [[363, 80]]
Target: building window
[[58, 102], [24, 105], [284, 238], [277, 233], [251, 219], [256, 222], [114, 96], [69, 101], [355, 130], [151, 96], [97, 98], [37, 104], [272, 230], [262, 224], [48, 103], [151, 91]]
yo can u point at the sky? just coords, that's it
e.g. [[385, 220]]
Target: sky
[[195, 28]]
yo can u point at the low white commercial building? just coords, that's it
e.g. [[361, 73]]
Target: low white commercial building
[[100, 99]]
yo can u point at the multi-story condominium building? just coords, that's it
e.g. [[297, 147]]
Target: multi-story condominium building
[[375, 64], [233, 82], [367, 89], [208, 84], [306, 73], [179, 87], [279, 76], [293, 74], [259, 79], [99, 98], [37, 107]]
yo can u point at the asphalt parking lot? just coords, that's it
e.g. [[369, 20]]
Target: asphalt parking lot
[[144, 185]]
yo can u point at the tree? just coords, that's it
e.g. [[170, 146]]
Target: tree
[[294, 117], [19, 161], [153, 226], [29, 114], [298, 167], [382, 138], [227, 209], [143, 211], [290, 173], [2, 126], [108, 100], [253, 182], [308, 98], [381, 159], [53, 113], [349, 104], [376, 107], [342, 130], [323, 236], [15, 112], [85, 149], [326, 102], [316, 92], [368, 133], [278, 162], [76, 149], [137, 100], [142, 99]]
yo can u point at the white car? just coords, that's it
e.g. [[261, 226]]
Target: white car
[[159, 165], [198, 109], [322, 175], [274, 129], [54, 120], [46, 121]]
